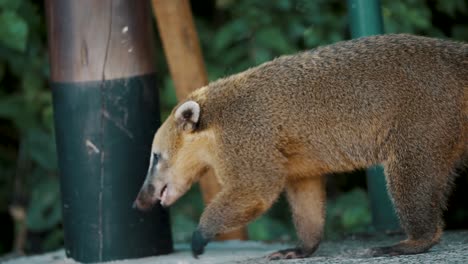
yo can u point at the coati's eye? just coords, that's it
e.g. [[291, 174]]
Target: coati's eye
[[156, 157]]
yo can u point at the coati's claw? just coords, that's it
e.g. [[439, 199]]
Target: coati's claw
[[290, 253], [198, 243]]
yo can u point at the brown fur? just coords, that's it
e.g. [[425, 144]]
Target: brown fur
[[399, 100]]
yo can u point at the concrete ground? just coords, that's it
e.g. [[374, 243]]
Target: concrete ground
[[452, 249]]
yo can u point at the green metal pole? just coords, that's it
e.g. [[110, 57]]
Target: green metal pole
[[106, 112], [366, 20]]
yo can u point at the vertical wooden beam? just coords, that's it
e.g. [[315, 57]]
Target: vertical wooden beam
[[106, 113], [183, 53]]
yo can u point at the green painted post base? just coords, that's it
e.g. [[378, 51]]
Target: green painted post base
[[383, 215], [104, 132]]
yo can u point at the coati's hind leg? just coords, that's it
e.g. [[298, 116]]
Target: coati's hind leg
[[307, 200], [418, 184]]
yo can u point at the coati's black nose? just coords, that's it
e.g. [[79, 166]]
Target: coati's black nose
[[144, 200], [150, 190]]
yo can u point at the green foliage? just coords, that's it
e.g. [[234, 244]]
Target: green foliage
[[452, 7], [44, 210], [26, 110], [185, 214], [168, 95], [13, 34], [348, 213], [269, 229], [256, 31]]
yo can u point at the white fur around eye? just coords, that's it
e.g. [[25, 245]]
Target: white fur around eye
[[192, 106]]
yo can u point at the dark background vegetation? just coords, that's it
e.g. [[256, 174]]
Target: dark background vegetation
[[234, 35]]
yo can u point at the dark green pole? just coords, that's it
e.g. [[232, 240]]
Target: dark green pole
[[366, 20], [106, 112]]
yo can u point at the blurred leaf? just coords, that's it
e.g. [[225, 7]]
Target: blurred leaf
[[11, 106], [451, 7], [284, 5], [13, 30], [235, 54], [10, 4], [268, 229], [356, 218], [41, 148], [262, 55], [44, 211], [48, 117], [185, 214], [349, 212], [2, 70], [53, 240], [460, 32], [229, 33], [168, 94], [31, 83], [224, 4], [272, 38], [311, 38]]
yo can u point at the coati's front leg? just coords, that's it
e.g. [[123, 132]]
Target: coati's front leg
[[232, 208], [307, 199]]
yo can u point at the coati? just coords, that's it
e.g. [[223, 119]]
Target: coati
[[398, 100]]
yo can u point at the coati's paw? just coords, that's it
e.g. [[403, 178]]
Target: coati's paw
[[198, 243], [290, 253], [403, 248]]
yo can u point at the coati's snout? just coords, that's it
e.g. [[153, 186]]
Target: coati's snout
[[153, 191], [160, 185], [145, 198], [172, 169]]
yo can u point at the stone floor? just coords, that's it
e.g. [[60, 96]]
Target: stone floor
[[452, 249]]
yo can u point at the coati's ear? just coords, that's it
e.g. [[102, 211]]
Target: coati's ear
[[187, 115]]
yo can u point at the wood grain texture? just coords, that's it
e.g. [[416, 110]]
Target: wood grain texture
[[181, 46], [98, 40], [184, 56]]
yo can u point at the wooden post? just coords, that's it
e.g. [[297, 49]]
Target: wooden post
[[183, 53], [106, 113]]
